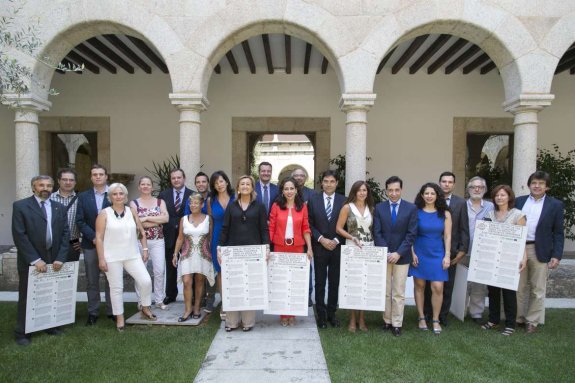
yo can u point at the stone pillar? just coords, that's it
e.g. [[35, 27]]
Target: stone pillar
[[27, 108], [525, 109], [190, 107], [356, 107]]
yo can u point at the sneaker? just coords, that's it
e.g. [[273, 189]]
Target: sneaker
[[161, 306], [217, 299], [209, 305]]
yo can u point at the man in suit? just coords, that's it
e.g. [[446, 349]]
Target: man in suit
[[90, 203], [545, 240], [40, 233], [67, 196], [300, 176], [265, 190], [459, 244], [176, 198], [323, 210], [395, 227]]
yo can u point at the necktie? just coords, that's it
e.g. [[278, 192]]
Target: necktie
[[328, 208], [48, 226], [266, 198], [178, 203], [393, 213], [448, 200]]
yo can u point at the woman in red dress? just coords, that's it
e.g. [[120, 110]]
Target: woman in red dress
[[289, 226]]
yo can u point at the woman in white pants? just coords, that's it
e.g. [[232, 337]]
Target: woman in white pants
[[152, 213], [117, 228]]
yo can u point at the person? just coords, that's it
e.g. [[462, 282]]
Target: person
[[90, 203], [196, 259], [545, 241], [431, 251], [174, 198], [300, 176], [323, 210], [289, 226], [504, 212], [153, 214], [459, 244], [221, 194], [245, 223], [66, 195], [477, 209], [117, 231], [266, 192], [202, 182], [357, 215], [40, 233], [395, 227]]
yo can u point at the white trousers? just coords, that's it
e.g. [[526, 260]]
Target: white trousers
[[115, 274], [156, 251]]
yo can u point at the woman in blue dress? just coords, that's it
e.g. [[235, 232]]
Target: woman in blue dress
[[431, 250]]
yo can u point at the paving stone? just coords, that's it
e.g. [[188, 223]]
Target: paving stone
[[168, 316]]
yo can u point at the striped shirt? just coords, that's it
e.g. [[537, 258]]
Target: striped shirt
[[56, 196]]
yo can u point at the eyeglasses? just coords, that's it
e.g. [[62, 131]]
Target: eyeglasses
[[481, 187]]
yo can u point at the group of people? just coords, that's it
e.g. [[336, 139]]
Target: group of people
[[182, 232]]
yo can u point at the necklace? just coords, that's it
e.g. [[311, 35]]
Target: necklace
[[121, 215]]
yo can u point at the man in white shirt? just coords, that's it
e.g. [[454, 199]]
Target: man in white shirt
[[66, 195]]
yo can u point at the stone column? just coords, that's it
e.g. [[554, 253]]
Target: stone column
[[27, 108], [525, 109], [190, 107], [356, 107]]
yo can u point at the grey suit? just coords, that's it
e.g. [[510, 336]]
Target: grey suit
[[29, 235]]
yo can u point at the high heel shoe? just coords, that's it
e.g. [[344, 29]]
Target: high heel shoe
[[147, 314], [423, 328], [436, 330], [120, 328]]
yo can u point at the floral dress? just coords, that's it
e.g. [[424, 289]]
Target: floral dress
[[194, 258], [359, 225]]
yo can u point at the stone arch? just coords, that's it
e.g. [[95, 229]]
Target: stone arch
[[500, 34], [234, 24], [67, 26], [558, 40]]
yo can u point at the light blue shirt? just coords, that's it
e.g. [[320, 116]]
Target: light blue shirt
[[475, 216], [100, 198]]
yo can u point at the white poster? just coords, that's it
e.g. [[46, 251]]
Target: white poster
[[459, 296], [362, 278], [244, 278], [288, 284], [51, 299], [497, 252]]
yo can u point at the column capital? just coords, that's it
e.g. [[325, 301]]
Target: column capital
[[533, 102], [195, 101], [26, 101], [351, 101]]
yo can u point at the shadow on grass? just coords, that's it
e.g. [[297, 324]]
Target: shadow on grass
[[149, 353], [462, 353]]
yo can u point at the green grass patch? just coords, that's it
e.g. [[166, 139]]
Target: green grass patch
[[149, 353], [462, 353]]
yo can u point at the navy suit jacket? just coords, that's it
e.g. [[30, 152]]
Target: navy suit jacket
[[171, 228], [274, 190], [549, 234], [29, 233], [399, 237], [320, 225], [307, 193], [459, 225], [86, 216]]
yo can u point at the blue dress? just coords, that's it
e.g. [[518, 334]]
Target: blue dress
[[429, 248], [218, 221]]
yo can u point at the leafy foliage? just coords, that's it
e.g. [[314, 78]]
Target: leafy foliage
[[562, 170], [161, 173], [376, 188]]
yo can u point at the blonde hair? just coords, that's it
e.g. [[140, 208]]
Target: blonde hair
[[253, 182], [120, 186]]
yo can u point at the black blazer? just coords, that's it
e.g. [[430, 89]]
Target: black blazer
[[318, 222], [459, 225], [399, 237], [29, 233], [86, 216], [549, 234], [171, 228]]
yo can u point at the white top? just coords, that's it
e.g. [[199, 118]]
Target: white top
[[120, 237], [289, 226], [532, 210]]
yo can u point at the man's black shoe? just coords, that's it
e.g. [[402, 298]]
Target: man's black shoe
[[54, 331], [309, 302], [396, 331], [23, 341], [386, 326], [92, 319], [333, 321], [321, 324], [168, 300]]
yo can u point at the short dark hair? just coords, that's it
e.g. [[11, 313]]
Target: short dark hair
[[542, 176], [177, 170], [392, 180], [98, 166], [447, 174], [329, 173], [265, 163], [510, 193], [202, 174], [66, 170]]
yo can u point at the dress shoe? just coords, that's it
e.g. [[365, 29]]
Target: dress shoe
[[531, 328], [386, 326], [54, 331], [23, 341], [92, 319], [396, 331], [333, 321], [309, 302], [168, 300], [321, 323]]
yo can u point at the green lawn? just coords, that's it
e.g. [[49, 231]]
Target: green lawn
[[462, 353], [101, 354]]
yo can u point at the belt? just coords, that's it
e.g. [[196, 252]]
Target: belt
[[288, 241], [530, 243]]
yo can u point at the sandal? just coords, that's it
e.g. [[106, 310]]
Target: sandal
[[507, 331], [284, 322], [291, 321], [436, 330], [489, 326], [246, 329], [363, 327], [149, 315], [423, 328], [230, 329], [196, 316]]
